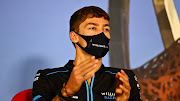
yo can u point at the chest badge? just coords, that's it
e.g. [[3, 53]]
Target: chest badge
[[108, 95]]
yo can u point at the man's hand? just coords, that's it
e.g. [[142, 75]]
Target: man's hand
[[123, 87], [79, 75]]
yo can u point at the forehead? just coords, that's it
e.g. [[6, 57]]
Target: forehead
[[100, 21]]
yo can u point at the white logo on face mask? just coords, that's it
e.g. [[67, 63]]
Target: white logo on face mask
[[98, 45]]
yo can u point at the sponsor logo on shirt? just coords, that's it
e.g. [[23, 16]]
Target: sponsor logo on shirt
[[138, 86], [108, 95], [37, 76], [75, 97], [135, 77]]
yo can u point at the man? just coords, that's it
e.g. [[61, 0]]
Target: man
[[86, 78]]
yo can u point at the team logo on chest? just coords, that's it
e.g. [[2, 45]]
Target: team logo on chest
[[108, 95]]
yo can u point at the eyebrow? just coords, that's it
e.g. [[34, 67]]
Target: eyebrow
[[97, 24], [106, 25]]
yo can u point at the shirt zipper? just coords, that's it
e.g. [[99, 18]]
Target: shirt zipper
[[87, 89]]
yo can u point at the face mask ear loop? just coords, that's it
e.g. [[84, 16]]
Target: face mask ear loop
[[88, 45], [79, 34], [78, 42]]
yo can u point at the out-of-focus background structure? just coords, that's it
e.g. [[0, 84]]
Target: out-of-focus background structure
[[159, 78], [144, 37]]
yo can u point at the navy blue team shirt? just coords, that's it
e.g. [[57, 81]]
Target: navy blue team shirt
[[49, 82]]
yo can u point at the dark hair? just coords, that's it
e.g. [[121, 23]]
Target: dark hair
[[86, 12]]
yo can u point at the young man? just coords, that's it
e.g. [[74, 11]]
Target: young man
[[86, 78]]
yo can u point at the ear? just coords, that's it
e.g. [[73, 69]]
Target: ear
[[73, 36]]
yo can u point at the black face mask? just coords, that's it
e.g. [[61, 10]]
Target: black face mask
[[97, 45]]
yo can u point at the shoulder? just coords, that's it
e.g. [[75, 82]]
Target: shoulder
[[132, 77], [49, 71], [115, 70]]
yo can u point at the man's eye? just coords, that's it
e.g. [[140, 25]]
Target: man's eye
[[106, 29], [92, 28]]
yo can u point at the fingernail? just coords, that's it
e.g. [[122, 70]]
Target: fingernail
[[95, 65], [119, 73], [93, 57], [93, 74], [96, 61]]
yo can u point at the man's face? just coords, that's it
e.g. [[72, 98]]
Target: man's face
[[93, 26]]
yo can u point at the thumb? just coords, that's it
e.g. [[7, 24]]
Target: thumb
[[79, 60]]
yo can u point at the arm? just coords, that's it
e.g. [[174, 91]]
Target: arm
[[42, 90]]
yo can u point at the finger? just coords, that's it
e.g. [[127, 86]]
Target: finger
[[79, 60], [117, 75], [88, 64], [124, 76], [122, 72], [83, 62], [86, 70], [118, 90], [86, 61], [86, 77], [125, 83], [124, 89]]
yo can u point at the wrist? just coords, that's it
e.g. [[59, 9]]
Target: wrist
[[65, 92], [62, 95]]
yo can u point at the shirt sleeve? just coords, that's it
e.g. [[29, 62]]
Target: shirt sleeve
[[42, 90], [135, 94]]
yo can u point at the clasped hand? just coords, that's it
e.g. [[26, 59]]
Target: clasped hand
[[85, 70]]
